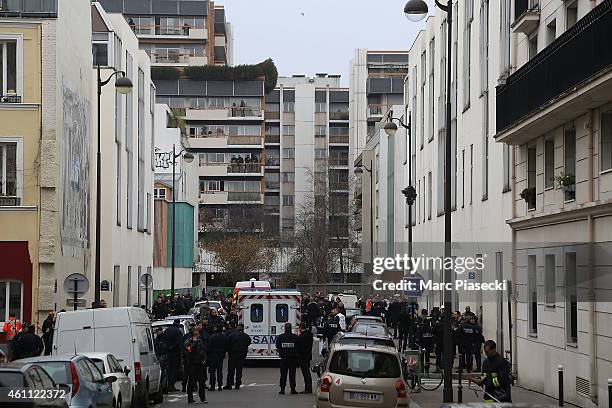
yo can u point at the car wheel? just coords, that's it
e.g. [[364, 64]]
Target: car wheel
[[158, 397]]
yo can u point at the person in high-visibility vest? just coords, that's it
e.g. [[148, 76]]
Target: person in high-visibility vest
[[11, 327]]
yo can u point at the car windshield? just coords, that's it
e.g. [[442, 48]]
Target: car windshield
[[99, 363], [58, 370], [365, 364], [367, 341], [372, 329], [11, 379]]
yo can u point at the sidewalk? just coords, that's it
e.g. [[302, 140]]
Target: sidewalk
[[433, 399]]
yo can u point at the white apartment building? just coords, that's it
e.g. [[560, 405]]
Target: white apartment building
[[555, 109], [127, 160]]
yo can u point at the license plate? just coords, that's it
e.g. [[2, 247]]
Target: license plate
[[361, 396]]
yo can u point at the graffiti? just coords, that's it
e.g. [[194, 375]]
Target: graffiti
[[163, 160], [74, 176]]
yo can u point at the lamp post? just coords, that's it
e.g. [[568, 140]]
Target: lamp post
[[358, 172], [416, 10], [123, 85], [188, 157]]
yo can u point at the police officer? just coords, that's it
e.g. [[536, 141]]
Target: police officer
[[393, 315], [195, 352], [29, 344], [161, 351], [173, 338], [238, 343], [331, 327], [424, 334], [305, 351], [287, 346], [217, 347], [477, 340], [496, 376], [313, 312], [438, 335], [465, 340], [403, 325]]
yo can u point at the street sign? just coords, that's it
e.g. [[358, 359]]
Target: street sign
[[415, 282], [105, 286], [80, 302], [146, 281], [76, 283], [471, 275]]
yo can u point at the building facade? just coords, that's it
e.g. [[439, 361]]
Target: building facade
[[180, 33], [127, 212], [45, 141], [555, 109]]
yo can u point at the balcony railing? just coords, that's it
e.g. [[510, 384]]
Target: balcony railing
[[28, 7], [522, 6], [339, 139], [244, 140], [10, 98], [238, 196], [375, 110], [272, 138], [338, 161], [8, 201], [273, 161], [237, 168], [272, 115], [272, 185], [150, 29], [577, 55], [244, 112], [339, 115]]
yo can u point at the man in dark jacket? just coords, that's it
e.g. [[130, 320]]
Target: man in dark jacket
[[186, 336], [305, 351], [195, 352], [47, 329], [173, 337], [393, 315], [238, 343], [27, 345], [217, 347], [331, 327], [403, 325], [496, 377], [313, 312], [287, 347], [160, 311]]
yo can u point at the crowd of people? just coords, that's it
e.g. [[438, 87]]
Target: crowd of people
[[23, 341]]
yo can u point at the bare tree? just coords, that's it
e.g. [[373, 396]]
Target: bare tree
[[239, 256]]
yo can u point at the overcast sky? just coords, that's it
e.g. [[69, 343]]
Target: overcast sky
[[323, 39]]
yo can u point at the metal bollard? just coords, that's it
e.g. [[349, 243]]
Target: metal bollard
[[460, 388], [560, 368], [609, 392]]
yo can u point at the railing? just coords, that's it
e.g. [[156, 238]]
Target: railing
[[338, 161], [522, 6], [272, 185], [244, 111], [38, 7], [244, 140], [171, 58], [152, 29], [272, 138], [10, 98], [9, 201], [236, 168], [273, 161], [244, 196], [339, 115], [375, 110], [217, 134], [577, 55], [272, 115], [339, 139]]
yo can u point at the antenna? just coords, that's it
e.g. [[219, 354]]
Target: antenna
[[75, 349]]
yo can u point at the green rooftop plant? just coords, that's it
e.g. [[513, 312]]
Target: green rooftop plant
[[265, 70]]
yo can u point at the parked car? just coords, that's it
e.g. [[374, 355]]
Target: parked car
[[365, 318], [164, 324], [30, 375], [343, 338], [122, 388], [188, 318], [213, 304], [87, 386], [123, 331], [371, 329], [354, 376]]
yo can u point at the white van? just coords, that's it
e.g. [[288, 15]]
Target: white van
[[349, 300], [264, 314], [123, 331]]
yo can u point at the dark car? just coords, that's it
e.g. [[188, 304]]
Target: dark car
[[17, 377]]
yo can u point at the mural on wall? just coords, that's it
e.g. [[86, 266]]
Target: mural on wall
[[74, 226]]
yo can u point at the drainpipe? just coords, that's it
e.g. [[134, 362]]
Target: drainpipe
[[513, 341], [592, 322]]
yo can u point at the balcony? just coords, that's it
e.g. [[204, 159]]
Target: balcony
[[273, 162], [375, 111], [231, 197], [339, 115], [564, 81], [182, 32], [338, 139], [272, 139], [272, 209], [229, 169], [177, 58], [35, 8], [526, 16], [10, 201], [224, 113], [255, 141]]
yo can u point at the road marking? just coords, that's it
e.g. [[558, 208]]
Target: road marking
[[260, 385]]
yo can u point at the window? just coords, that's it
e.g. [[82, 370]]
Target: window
[[116, 285], [484, 46], [84, 370], [282, 313], [129, 141], [288, 200], [257, 313], [571, 298], [159, 193], [288, 107], [100, 50], [11, 300], [549, 268], [213, 185], [365, 363], [9, 184], [571, 14], [549, 163], [606, 140], [440, 182], [531, 177], [532, 290], [289, 153], [288, 130], [128, 300], [485, 146], [570, 163], [141, 151], [415, 108], [320, 153], [429, 195], [9, 66], [551, 32], [504, 47], [471, 174], [320, 107], [96, 374], [467, 51], [507, 163], [288, 177], [422, 105], [432, 121], [533, 46], [320, 130], [463, 178]]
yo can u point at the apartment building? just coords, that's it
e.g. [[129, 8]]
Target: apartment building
[[178, 33], [127, 160], [555, 109], [376, 83], [46, 99]]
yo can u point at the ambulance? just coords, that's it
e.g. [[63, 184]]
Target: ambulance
[[264, 314]]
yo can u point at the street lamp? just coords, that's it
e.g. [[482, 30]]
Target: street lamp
[[188, 158], [359, 172], [123, 85], [416, 10]]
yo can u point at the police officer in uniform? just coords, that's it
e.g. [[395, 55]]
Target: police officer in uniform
[[477, 340], [238, 343], [287, 347], [331, 327], [305, 351], [217, 347], [195, 353], [424, 334]]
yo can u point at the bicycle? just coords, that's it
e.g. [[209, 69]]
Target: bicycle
[[418, 368]]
